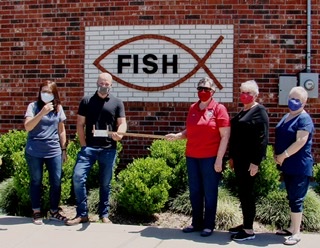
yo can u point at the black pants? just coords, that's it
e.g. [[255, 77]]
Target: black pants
[[246, 194]]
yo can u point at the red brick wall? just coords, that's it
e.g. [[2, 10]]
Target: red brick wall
[[45, 40]]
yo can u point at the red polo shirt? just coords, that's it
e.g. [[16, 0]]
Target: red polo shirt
[[203, 136]]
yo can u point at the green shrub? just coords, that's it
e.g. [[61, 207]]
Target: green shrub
[[142, 188], [268, 178], [274, 210], [10, 142], [174, 155], [181, 203], [316, 176], [228, 210], [94, 199], [8, 196]]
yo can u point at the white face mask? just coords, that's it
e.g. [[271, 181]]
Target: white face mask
[[47, 97]]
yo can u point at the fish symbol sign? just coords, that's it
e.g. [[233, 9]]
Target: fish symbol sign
[[201, 62]]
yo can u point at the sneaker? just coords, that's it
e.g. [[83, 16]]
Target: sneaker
[[235, 230], [242, 235], [37, 218], [77, 220]]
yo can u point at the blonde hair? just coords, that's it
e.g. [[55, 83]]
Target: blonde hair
[[250, 86]]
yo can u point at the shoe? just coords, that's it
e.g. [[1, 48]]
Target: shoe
[[57, 216], [235, 230], [37, 218], [77, 220], [190, 229], [284, 232], [106, 220], [292, 240], [242, 235], [206, 232]]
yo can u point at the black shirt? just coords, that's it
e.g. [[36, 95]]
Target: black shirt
[[102, 113], [249, 135]]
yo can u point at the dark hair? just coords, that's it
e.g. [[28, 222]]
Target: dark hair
[[56, 101]]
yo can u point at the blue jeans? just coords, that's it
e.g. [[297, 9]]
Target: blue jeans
[[87, 156], [54, 167], [297, 187], [203, 187]]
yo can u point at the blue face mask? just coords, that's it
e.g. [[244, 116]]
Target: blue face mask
[[294, 104]]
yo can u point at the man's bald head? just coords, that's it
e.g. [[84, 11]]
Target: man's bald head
[[105, 78]]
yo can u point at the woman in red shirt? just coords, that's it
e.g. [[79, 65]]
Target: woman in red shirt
[[207, 133]]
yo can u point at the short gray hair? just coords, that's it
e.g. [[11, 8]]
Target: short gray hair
[[301, 92], [250, 86], [206, 80]]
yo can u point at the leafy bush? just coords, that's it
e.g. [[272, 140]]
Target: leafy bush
[[174, 155], [142, 188], [316, 176], [268, 178], [274, 210], [8, 195], [10, 142]]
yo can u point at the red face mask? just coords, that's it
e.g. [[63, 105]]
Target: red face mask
[[246, 98], [204, 96]]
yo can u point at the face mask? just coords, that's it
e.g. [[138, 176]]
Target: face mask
[[246, 98], [204, 96], [294, 104], [47, 97], [104, 90]]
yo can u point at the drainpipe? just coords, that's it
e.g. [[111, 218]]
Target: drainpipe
[[308, 55]]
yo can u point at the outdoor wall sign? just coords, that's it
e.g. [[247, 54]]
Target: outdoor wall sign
[[160, 63]]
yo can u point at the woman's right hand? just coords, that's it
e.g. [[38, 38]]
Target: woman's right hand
[[47, 108]]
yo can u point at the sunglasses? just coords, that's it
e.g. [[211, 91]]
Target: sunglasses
[[204, 88]]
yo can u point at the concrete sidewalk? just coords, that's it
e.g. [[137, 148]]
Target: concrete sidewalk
[[20, 232]]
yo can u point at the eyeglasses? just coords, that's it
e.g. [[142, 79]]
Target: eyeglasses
[[204, 88]]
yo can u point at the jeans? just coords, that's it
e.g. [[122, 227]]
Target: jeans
[[247, 197], [297, 187], [203, 187], [54, 167], [87, 156]]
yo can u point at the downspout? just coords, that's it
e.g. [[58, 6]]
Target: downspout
[[308, 55]]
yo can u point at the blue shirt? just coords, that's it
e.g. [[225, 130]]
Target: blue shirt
[[43, 140], [301, 162]]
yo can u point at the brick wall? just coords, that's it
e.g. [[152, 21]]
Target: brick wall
[[45, 39]]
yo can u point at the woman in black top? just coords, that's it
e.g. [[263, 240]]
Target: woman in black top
[[248, 143]]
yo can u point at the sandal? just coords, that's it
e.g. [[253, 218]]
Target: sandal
[[292, 240], [57, 216], [37, 218]]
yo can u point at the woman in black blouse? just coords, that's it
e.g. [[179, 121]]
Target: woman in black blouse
[[248, 143]]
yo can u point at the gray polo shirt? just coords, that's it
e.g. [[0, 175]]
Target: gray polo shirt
[[43, 140]]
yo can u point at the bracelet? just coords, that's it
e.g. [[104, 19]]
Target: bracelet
[[286, 153], [63, 149]]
